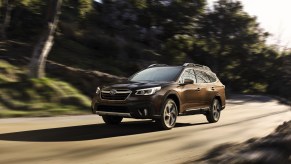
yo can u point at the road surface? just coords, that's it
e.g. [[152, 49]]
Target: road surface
[[85, 139]]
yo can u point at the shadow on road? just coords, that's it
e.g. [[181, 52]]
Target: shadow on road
[[86, 132]]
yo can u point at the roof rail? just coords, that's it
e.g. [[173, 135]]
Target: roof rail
[[196, 65], [157, 65]]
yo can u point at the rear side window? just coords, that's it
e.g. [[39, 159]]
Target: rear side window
[[202, 77], [211, 77]]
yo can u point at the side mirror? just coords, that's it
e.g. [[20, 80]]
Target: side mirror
[[188, 81]]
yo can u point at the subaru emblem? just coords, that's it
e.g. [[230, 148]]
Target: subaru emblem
[[112, 92]]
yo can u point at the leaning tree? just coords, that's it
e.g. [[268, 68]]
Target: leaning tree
[[46, 41]]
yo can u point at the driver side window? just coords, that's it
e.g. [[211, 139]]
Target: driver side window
[[188, 74]]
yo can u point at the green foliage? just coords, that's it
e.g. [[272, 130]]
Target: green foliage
[[174, 17], [178, 47], [37, 97], [140, 4], [85, 8], [280, 72], [35, 6], [77, 9], [234, 42], [8, 73]]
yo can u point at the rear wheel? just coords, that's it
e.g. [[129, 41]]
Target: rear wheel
[[169, 115], [112, 120], [213, 114]]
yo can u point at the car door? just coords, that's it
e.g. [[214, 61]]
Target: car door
[[190, 93], [213, 87], [205, 87]]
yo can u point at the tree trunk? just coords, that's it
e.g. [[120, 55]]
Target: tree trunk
[[43, 47], [7, 8]]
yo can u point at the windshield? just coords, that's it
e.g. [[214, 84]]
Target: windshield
[[157, 74]]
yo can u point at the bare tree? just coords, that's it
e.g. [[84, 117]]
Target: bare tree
[[43, 47], [7, 6]]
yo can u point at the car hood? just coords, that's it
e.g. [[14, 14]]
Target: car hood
[[133, 85]]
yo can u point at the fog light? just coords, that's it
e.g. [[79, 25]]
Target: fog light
[[145, 111]]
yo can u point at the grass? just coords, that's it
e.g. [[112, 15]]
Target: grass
[[8, 72], [21, 96]]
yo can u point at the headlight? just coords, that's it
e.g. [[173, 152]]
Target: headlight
[[98, 90], [147, 91]]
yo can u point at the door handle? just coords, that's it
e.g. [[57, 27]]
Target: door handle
[[212, 88], [198, 90]]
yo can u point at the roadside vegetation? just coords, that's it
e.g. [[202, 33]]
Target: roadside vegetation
[[22, 96]]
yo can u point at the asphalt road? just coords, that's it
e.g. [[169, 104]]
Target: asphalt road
[[85, 139]]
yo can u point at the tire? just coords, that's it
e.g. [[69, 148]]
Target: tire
[[169, 115], [213, 114], [112, 120]]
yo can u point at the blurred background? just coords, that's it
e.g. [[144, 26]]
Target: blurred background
[[54, 53]]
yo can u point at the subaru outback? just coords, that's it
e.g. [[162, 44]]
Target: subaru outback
[[162, 93]]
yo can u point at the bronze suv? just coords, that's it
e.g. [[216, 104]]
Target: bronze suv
[[161, 92]]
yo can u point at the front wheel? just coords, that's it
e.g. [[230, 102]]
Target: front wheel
[[169, 115], [112, 120], [213, 114]]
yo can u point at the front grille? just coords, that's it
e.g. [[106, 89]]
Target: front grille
[[118, 94], [118, 109]]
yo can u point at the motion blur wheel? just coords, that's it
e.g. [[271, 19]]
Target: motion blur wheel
[[213, 114], [112, 120], [169, 115]]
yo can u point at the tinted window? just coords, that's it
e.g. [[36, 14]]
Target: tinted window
[[202, 77], [188, 74], [211, 77], [157, 74]]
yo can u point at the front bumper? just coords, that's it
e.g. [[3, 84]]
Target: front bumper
[[146, 108]]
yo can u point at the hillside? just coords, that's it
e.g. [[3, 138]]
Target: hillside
[[22, 96]]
